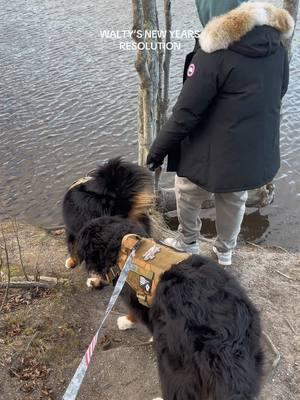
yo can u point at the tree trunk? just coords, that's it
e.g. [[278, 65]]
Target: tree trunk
[[145, 18], [167, 61], [292, 7], [152, 65]]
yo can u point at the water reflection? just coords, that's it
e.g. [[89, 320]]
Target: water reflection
[[255, 227], [68, 102]]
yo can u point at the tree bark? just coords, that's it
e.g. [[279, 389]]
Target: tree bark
[[152, 65], [167, 62], [164, 70], [292, 7], [145, 19]]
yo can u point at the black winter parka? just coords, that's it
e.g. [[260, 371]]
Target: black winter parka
[[223, 134]]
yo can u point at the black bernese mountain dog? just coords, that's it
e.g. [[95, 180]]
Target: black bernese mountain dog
[[206, 330], [115, 188]]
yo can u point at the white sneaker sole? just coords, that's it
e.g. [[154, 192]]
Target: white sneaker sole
[[170, 243], [224, 263]]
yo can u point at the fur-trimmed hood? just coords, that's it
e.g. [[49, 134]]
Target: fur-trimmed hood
[[221, 32]]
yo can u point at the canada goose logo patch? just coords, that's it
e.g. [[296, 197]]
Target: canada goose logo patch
[[191, 70]]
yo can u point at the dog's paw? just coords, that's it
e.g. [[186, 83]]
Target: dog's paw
[[93, 282], [151, 341], [124, 323], [158, 398], [70, 263]]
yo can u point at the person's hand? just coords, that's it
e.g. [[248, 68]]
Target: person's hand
[[153, 163]]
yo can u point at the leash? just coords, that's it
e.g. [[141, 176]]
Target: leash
[[157, 174], [76, 381]]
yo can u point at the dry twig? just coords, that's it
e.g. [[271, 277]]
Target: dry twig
[[255, 245], [279, 248], [16, 232], [53, 228], [290, 325], [8, 270], [286, 276], [31, 340], [37, 272], [274, 349]]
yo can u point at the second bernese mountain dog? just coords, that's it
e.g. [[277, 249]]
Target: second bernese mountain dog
[[206, 330]]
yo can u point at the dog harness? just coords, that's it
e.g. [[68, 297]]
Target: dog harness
[[81, 181], [151, 260]]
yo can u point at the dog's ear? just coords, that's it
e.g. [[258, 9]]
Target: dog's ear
[[92, 247]]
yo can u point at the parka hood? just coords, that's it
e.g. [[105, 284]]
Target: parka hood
[[253, 29], [207, 9], [261, 41]]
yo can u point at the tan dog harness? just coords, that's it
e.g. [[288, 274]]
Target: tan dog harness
[[80, 181], [150, 261]]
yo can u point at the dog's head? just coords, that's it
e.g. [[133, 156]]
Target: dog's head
[[99, 242]]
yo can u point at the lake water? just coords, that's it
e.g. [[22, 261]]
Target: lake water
[[69, 99]]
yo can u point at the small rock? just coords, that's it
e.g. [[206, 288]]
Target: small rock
[[105, 342]]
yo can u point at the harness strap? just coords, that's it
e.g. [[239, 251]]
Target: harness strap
[[150, 261], [81, 181]]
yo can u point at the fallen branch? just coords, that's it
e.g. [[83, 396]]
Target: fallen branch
[[53, 228], [42, 283], [142, 344]]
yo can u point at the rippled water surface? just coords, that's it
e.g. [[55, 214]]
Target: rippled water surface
[[68, 101]]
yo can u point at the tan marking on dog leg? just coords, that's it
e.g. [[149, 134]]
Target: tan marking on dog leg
[[131, 317], [71, 263]]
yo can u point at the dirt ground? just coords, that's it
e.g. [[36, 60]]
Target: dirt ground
[[44, 333]]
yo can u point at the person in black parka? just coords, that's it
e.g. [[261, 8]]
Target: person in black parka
[[223, 135]]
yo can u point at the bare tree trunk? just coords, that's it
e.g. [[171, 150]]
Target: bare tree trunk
[[152, 65], [145, 18], [292, 7], [143, 71], [164, 69], [167, 61]]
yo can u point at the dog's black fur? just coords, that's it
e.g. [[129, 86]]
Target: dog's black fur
[[112, 190], [206, 330]]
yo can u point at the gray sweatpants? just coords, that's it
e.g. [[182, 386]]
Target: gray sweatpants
[[230, 209]]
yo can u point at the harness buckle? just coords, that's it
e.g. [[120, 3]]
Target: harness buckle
[[142, 298]]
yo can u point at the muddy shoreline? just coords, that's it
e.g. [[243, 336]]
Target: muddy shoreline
[[45, 333]]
